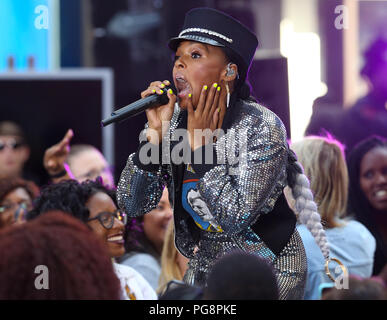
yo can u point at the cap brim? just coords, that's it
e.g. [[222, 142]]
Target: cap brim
[[174, 42]]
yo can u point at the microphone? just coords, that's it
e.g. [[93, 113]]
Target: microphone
[[137, 107]]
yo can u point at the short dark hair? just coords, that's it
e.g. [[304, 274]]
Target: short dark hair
[[241, 276], [8, 185], [69, 196], [78, 262], [9, 128]]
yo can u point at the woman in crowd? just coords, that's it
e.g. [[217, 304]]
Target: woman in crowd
[[241, 203], [80, 162], [55, 257], [367, 166], [349, 240], [94, 204], [173, 263], [16, 196], [14, 151], [144, 240]]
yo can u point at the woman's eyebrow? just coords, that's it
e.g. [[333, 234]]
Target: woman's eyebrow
[[206, 47], [202, 46]]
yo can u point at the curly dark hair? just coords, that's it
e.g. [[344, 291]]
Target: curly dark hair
[[7, 185], [79, 266], [358, 204], [69, 196]]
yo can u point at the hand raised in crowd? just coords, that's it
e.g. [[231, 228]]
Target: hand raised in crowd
[[54, 160], [209, 111], [157, 115]]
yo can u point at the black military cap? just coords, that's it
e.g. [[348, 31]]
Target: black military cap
[[216, 28]]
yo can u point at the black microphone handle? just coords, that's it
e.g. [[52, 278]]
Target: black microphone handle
[[136, 108]]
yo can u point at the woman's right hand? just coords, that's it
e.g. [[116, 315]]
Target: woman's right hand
[[157, 115]]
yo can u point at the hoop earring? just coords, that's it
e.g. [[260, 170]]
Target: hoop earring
[[228, 95]]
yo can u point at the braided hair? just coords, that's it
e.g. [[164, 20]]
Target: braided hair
[[304, 203]]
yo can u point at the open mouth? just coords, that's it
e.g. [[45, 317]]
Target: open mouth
[[117, 238], [380, 195], [182, 86]]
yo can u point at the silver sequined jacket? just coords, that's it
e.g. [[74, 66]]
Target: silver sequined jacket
[[237, 201]]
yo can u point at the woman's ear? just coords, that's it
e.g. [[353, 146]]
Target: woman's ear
[[230, 72]]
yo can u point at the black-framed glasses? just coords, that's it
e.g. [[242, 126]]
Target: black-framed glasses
[[106, 219], [13, 145]]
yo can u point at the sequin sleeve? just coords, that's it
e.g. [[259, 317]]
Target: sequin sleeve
[[139, 191], [237, 200]]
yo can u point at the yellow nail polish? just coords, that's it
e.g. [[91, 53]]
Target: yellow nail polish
[[162, 85], [215, 85], [154, 91], [219, 110], [170, 91], [205, 87], [161, 91], [218, 88], [190, 95]]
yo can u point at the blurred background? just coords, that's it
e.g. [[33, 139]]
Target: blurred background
[[70, 63]]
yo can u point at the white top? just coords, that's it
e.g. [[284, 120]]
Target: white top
[[146, 265], [133, 284]]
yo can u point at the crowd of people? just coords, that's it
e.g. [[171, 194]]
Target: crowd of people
[[350, 194], [267, 233]]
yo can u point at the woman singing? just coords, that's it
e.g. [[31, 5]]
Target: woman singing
[[235, 201]]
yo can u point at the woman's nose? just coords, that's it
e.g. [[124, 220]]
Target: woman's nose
[[168, 213], [179, 64], [381, 178]]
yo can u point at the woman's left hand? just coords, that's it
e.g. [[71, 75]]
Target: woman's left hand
[[205, 116]]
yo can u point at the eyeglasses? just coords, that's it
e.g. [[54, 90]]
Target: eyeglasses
[[18, 210], [13, 206], [13, 145], [106, 219]]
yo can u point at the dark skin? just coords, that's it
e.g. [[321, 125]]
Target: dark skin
[[373, 178], [101, 202], [198, 73]]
